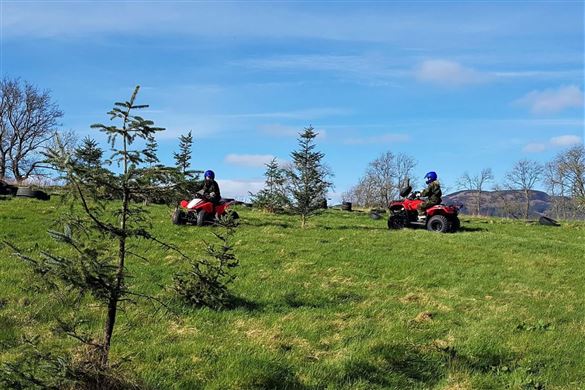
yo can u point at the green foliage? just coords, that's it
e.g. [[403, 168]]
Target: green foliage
[[307, 177], [37, 369], [89, 154], [272, 197], [188, 181], [100, 236], [206, 283]]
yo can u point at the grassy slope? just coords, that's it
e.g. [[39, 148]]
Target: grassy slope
[[344, 303]]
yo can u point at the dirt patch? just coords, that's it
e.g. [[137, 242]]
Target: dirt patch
[[424, 316]]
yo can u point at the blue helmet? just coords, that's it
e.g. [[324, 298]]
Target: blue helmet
[[430, 177], [211, 175]]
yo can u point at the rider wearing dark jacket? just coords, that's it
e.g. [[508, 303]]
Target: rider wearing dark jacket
[[210, 188], [432, 193]]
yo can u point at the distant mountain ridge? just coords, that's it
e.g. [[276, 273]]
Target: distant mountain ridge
[[499, 203]]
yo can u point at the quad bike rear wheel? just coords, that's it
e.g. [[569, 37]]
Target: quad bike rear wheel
[[439, 223], [397, 220], [455, 225]]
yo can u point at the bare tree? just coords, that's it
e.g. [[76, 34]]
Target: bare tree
[[28, 119], [476, 184], [381, 182], [523, 176], [565, 179]]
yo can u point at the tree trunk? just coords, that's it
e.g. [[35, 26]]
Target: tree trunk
[[119, 282], [527, 209], [117, 290], [478, 203]]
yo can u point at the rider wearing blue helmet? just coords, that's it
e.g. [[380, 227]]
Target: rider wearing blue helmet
[[432, 193], [210, 190]]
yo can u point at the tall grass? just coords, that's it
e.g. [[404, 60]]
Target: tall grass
[[344, 303]]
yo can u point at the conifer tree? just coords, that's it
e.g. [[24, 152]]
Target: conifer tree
[[307, 177], [150, 156], [188, 180], [89, 153], [273, 196], [101, 237], [183, 158]]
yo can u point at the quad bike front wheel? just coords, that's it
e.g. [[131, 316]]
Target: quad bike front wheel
[[178, 217], [439, 224], [201, 216]]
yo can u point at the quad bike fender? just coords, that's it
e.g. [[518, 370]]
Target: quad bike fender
[[441, 210]]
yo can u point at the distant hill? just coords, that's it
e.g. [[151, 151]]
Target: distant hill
[[499, 203]]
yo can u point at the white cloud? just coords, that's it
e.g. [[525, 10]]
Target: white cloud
[[312, 113], [447, 73], [550, 101], [378, 139], [249, 160], [566, 140], [554, 142], [239, 189], [279, 130], [534, 148]]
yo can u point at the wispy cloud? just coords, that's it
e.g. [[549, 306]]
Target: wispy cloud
[[554, 142], [534, 148], [239, 189], [53, 18], [448, 73], [566, 140], [308, 114], [249, 160], [379, 139], [550, 101]]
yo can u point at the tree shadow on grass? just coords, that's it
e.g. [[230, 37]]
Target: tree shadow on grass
[[354, 227], [241, 303], [396, 366], [296, 299], [471, 229], [284, 225], [260, 374]]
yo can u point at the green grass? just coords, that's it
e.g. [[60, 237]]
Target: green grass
[[344, 303]]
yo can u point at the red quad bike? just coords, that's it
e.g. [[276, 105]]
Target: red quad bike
[[202, 212], [439, 218]]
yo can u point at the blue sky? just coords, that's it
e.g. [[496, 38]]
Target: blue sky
[[458, 85]]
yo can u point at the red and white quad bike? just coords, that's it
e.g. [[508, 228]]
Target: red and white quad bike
[[201, 211], [439, 218]]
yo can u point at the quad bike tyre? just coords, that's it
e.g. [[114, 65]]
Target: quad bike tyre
[[397, 221], [439, 224], [178, 217], [25, 192], [455, 225], [201, 216]]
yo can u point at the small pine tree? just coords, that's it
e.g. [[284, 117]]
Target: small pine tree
[[183, 158], [206, 283], [89, 153], [149, 152], [273, 196], [188, 180], [307, 177], [101, 236]]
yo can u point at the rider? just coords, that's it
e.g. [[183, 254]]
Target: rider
[[210, 190], [432, 193]]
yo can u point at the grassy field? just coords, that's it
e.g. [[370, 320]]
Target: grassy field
[[342, 304]]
